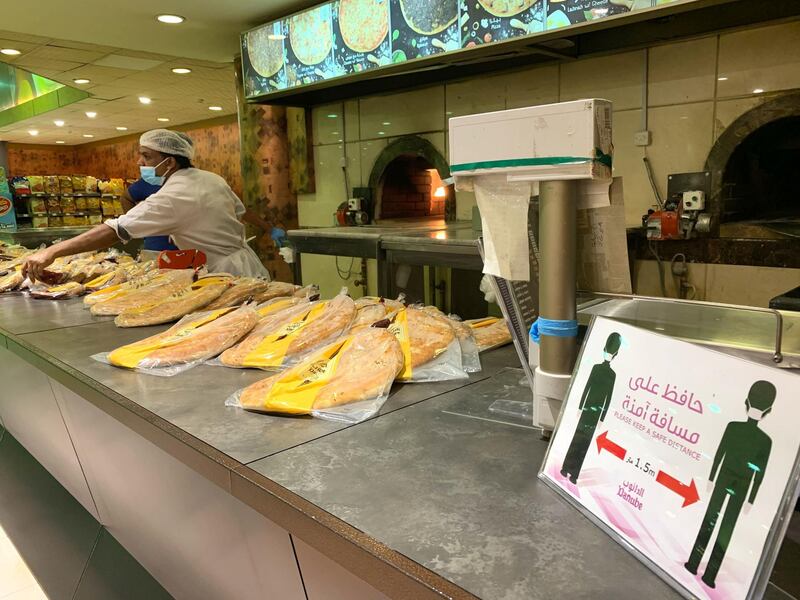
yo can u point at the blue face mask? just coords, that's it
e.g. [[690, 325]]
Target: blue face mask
[[148, 174]]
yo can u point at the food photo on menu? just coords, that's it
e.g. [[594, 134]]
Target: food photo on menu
[[691, 471], [563, 13], [309, 47], [423, 27], [487, 21], [263, 58], [361, 34]]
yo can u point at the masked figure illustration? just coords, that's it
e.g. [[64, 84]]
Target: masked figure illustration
[[740, 461], [594, 404]]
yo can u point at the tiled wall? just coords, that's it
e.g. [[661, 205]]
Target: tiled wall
[[695, 89]]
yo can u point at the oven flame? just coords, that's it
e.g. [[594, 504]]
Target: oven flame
[[440, 192]]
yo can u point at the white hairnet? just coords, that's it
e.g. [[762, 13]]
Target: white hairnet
[[168, 142]]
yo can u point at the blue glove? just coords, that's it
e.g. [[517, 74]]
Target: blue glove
[[278, 236]]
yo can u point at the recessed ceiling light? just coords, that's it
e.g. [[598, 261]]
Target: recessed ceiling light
[[58, 123], [758, 91], [381, 133], [386, 123], [181, 70], [144, 100], [81, 81], [33, 131], [163, 119], [88, 135], [722, 79], [60, 142], [91, 114], [334, 133], [332, 116], [171, 19], [214, 108], [122, 129], [10, 52]]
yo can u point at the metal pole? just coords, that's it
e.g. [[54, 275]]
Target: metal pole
[[557, 271]]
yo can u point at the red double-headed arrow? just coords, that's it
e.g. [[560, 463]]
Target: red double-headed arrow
[[687, 492], [603, 443]]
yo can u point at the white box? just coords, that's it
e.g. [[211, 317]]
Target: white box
[[568, 140]]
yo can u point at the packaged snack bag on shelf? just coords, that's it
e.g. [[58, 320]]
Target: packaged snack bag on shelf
[[79, 183], [107, 206], [68, 204], [92, 203], [118, 210], [21, 186], [65, 184], [39, 221], [51, 184], [95, 219], [37, 205], [91, 185], [80, 203], [54, 205], [116, 186], [37, 184], [55, 221]]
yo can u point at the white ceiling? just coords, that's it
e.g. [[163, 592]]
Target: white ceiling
[[126, 53]]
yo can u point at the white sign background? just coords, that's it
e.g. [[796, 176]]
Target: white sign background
[[667, 445]]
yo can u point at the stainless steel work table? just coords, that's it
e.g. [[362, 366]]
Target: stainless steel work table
[[436, 497]]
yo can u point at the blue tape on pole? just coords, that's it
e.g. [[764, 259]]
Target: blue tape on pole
[[553, 328]]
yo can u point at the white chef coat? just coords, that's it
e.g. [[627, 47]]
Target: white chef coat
[[199, 210]]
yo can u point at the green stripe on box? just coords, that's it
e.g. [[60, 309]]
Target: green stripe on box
[[543, 161]]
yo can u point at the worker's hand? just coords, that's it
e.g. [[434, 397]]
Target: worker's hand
[[278, 236], [36, 263]]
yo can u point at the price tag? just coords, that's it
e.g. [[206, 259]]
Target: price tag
[[686, 456]]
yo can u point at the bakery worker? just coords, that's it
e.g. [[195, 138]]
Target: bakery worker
[[197, 209]]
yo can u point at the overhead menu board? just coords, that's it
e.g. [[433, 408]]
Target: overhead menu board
[[347, 37]]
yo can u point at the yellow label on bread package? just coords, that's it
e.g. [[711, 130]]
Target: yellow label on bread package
[[479, 323], [271, 352], [399, 329], [297, 389], [276, 306], [131, 355]]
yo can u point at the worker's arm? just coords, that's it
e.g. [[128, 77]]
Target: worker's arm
[[97, 238], [127, 201]]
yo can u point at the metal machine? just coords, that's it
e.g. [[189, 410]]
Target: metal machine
[[682, 216]]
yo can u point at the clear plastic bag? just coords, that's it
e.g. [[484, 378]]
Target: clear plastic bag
[[188, 343], [430, 347], [57, 292], [285, 338], [346, 381], [490, 333], [470, 355]]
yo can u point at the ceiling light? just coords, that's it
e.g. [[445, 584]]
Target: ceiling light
[[91, 114], [88, 135], [171, 19], [10, 52], [81, 81], [181, 70], [722, 79], [122, 129], [758, 91], [60, 141], [334, 133], [381, 133], [386, 123], [163, 119], [332, 116], [144, 100], [33, 131], [58, 123], [214, 108]]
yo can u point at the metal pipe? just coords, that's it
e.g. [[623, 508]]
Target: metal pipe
[[557, 271], [777, 356]]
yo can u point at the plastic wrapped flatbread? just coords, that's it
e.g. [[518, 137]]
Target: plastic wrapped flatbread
[[149, 291], [490, 333], [175, 306], [192, 340], [348, 380]]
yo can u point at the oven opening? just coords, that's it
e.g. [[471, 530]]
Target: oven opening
[[760, 187], [411, 188]]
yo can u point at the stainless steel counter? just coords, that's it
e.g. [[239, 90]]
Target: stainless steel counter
[[434, 497]]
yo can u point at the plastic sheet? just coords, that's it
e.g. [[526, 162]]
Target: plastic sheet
[[346, 381]]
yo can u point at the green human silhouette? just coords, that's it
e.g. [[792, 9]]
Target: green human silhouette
[[741, 459], [594, 404]]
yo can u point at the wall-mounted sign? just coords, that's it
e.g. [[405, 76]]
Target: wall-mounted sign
[[687, 456], [347, 37], [361, 34]]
